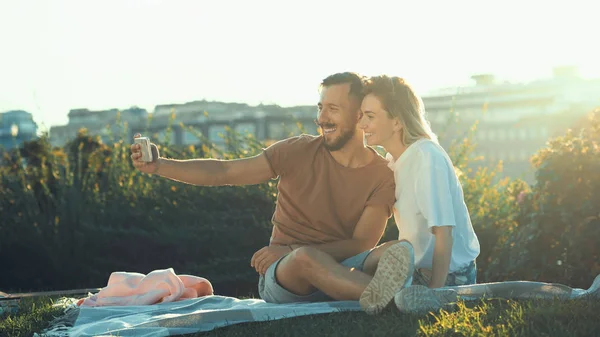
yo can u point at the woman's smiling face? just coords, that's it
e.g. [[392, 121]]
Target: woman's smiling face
[[376, 122]]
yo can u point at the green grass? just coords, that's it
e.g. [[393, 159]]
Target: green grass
[[32, 316], [483, 318]]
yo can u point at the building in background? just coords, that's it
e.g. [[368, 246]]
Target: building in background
[[514, 120], [109, 124], [210, 119], [16, 127], [188, 122]]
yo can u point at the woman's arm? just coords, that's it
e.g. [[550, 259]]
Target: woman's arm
[[435, 202], [442, 251]]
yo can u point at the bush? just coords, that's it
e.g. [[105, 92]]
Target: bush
[[559, 221]]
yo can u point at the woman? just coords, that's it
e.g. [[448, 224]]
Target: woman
[[430, 211]]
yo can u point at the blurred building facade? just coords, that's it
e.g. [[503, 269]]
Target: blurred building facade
[[16, 127], [513, 120], [104, 123], [188, 121]]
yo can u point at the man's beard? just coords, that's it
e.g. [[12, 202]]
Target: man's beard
[[340, 142]]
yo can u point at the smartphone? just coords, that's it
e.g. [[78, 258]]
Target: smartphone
[[146, 150]]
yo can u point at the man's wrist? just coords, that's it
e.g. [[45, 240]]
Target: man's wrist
[[158, 162]]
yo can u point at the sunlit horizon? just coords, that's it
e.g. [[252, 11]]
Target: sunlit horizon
[[63, 55]]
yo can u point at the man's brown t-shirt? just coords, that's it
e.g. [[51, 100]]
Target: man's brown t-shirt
[[320, 200]]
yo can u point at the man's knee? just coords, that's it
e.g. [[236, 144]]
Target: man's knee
[[299, 263], [293, 270], [304, 258]]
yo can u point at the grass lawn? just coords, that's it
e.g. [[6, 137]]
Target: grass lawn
[[484, 318]]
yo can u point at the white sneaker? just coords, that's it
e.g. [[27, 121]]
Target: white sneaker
[[394, 272], [418, 299]]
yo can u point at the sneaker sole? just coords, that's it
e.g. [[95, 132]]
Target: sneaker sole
[[393, 271], [419, 299]]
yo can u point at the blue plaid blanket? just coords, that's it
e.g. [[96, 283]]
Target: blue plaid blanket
[[183, 317]]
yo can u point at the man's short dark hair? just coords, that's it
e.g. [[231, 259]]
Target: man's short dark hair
[[355, 80]]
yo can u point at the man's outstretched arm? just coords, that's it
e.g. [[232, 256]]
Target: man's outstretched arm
[[206, 172], [214, 172]]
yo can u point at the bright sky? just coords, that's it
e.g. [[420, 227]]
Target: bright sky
[[56, 55]]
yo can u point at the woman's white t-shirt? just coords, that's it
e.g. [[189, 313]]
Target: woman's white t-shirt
[[429, 194]]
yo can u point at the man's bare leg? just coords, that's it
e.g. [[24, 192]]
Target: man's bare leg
[[306, 269]]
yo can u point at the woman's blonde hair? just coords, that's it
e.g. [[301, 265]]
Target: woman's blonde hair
[[401, 102]]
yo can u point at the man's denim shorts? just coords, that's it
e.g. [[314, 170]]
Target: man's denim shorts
[[272, 292]]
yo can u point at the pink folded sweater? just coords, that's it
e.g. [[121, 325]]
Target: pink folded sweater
[[159, 286]]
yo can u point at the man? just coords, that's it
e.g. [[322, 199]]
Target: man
[[334, 198]]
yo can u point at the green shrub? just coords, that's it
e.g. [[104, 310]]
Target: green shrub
[[559, 220]]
